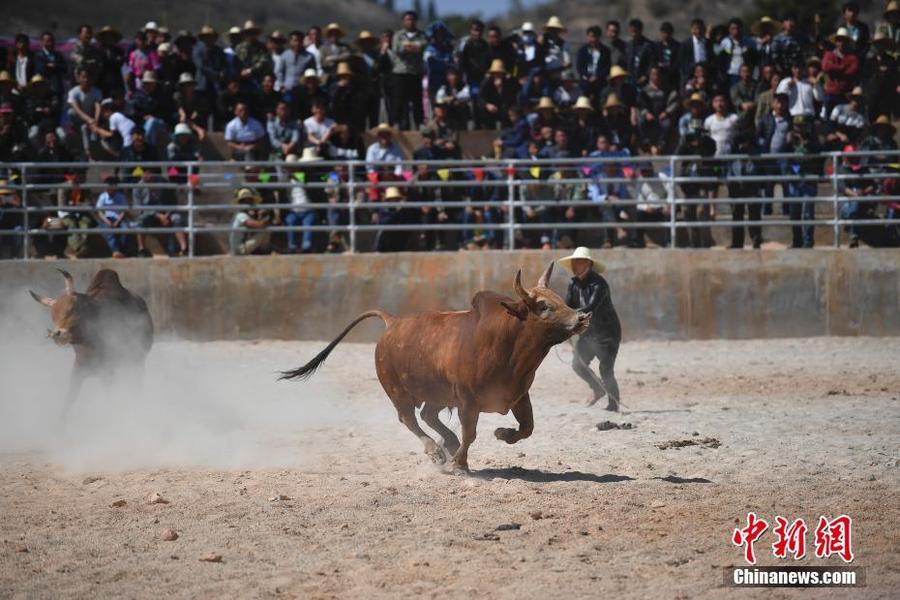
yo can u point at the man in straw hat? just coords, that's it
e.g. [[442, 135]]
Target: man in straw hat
[[334, 50], [589, 292], [302, 211], [255, 59], [841, 65], [408, 65], [554, 47], [497, 94], [110, 79], [250, 235]]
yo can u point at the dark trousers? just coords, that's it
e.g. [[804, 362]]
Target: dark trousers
[[754, 212], [406, 90], [587, 349]]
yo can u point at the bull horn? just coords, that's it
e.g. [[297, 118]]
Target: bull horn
[[70, 282], [42, 299], [523, 294], [544, 281]]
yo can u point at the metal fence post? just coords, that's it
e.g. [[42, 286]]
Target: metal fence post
[[510, 206], [23, 178], [671, 198], [834, 196], [190, 216], [351, 200]]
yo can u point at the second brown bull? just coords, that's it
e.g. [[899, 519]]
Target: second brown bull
[[478, 360]]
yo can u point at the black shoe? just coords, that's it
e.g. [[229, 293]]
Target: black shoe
[[854, 242], [757, 244], [145, 253]]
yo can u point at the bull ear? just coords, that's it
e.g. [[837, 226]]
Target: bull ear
[[518, 310], [42, 299], [70, 282], [544, 281]]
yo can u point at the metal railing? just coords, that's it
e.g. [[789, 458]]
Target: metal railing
[[508, 187]]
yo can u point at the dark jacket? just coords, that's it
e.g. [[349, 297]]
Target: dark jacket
[[592, 295]]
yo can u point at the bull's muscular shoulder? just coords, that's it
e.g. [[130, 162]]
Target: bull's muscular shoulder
[[486, 303], [106, 286]]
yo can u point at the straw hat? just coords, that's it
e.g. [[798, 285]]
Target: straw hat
[[497, 67], [554, 23], [309, 154], [814, 60], [383, 128], [249, 26], [149, 77], [857, 92], [163, 31], [393, 193], [234, 31], [247, 196], [36, 80], [884, 121], [764, 24], [527, 27], [343, 70], [881, 36], [185, 79], [183, 129], [5, 79], [208, 31], [617, 71], [612, 101], [110, 31], [582, 252], [334, 28], [164, 48], [546, 103], [365, 36], [696, 98], [151, 26], [583, 103], [309, 74], [841, 33], [892, 7]]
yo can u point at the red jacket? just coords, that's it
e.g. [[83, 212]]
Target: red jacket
[[841, 71]]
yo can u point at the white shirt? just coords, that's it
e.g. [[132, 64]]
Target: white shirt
[[22, 71], [801, 96], [122, 124], [298, 196], [310, 125], [699, 50], [722, 131], [317, 54]]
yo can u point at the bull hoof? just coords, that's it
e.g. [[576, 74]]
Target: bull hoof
[[612, 407], [506, 434], [459, 471], [593, 398], [437, 454]]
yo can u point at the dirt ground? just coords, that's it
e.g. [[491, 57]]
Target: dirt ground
[[315, 490]]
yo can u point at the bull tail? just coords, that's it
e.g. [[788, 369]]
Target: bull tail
[[309, 368]]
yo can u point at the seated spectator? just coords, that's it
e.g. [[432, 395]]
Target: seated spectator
[[245, 135], [139, 151], [84, 109], [847, 122], [318, 127], [10, 245], [393, 240], [111, 215], [144, 196], [696, 111], [302, 211], [498, 93], [116, 129], [446, 137], [141, 60], [265, 101], [13, 135], [304, 96], [383, 150], [856, 189], [530, 56], [438, 57], [567, 93], [765, 97], [44, 111], [333, 51], [619, 86], [617, 124], [294, 62], [608, 193], [584, 130], [345, 99], [284, 133], [456, 96], [192, 107], [513, 141], [250, 235], [182, 148], [880, 136], [657, 109], [73, 197], [841, 66], [535, 88]]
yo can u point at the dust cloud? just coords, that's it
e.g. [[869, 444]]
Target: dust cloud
[[199, 405]]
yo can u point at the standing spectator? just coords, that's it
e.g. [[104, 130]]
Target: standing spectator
[[275, 45], [294, 62], [333, 51], [365, 65], [140, 60], [111, 80], [84, 109], [254, 57], [855, 187], [407, 49], [555, 48], [529, 53], [302, 211], [608, 190], [764, 30], [734, 51], [698, 195], [787, 49], [313, 45], [86, 56], [593, 62], [21, 64], [882, 83], [474, 56], [722, 127], [743, 99], [192, 107], [857, 31], [842, 68], [346, 106], [803, 164], [446, 138], [803, 98], [667, 56], [210, 65], [245, 135], [438, 57], [50, 64], [638, 52], [616, 43], [696, 111], [697, 50], [111, 207], [658, 106]]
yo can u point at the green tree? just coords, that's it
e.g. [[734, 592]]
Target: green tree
[[432, 11]]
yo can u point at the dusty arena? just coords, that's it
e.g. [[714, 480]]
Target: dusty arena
[[315, 490]]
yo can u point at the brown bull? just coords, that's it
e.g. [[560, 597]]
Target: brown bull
[[108, 327], [478, 360]]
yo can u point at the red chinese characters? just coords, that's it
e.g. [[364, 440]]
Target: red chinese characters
[[748, 535], [833, 537], [790, 539]]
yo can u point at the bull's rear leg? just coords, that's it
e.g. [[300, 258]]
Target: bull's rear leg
[[407, 413], [468, 418], [522, 412], [431, 415], [75, 382]]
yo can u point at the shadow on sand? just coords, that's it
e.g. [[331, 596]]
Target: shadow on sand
[[538, 476], [677, 479]]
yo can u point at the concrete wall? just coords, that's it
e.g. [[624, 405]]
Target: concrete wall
[[659, 294]]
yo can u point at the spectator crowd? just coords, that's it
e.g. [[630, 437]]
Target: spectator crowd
[[749, 89]]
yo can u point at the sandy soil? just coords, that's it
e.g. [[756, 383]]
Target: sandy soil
[[316, 491]]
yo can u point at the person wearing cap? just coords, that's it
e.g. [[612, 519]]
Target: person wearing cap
[[619, 85], [880, 136], [695, 109], [618, 123], [656, 109], [589, 292], [111, 215], [554, 47], [803, 98], [438, 57], [882, 77], [249, 235], [638, 52], [891, 25], [85, 56], [394, 240], [302, 211], [140, 60], [496, 95], [245, 135], [275, 43], [304, 96], [113, 127], [592, 61], [841, 66], [366, 64], [764, 30], [254, 57], [110, 79], [210, 64], [295, 60], [345, 98], [334, 50], [408, 47], [584, 128], [529, 53], [235, 35], [83, 102]]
